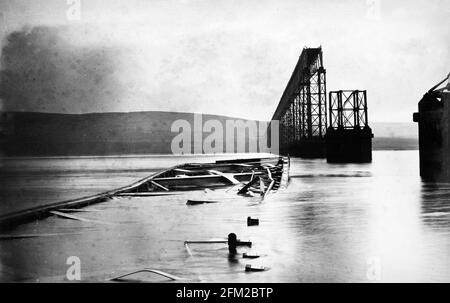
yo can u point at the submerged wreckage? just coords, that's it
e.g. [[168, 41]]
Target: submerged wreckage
[[197, 183], [261, 175], [256, 176]]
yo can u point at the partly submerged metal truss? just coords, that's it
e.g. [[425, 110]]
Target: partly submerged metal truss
[[248, 177]]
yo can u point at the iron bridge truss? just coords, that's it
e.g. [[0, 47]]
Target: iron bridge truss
[[302, 110], [348, 109]]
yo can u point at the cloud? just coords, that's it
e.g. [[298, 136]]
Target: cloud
[[235, 58], [43, 69]]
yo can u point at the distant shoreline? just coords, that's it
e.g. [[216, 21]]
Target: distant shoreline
[[135, 156], [160, 155], [52, 135]]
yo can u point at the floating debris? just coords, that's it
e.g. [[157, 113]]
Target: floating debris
[[206, 242], [72, 217], [126, 277], [250, 267], [197, 202], [250, 256], [25, 236], [221, 241], [252, 221], [232, 243], [75, 210]]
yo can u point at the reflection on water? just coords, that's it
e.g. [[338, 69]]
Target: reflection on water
[[334, 223]]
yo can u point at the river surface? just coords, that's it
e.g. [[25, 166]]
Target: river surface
[[373, 222]]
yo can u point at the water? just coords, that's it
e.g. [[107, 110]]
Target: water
[[335, 223], [29, 182]]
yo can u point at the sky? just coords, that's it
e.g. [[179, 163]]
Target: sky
[[223, 57]]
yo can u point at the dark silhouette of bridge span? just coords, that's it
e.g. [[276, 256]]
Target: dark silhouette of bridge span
[[302, 113]]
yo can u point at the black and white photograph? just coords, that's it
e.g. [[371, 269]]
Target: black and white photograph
[[252, 142]]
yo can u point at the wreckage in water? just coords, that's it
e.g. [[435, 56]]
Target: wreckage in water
[[260, 175], [248, 177]]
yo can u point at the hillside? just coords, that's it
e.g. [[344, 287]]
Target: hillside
[[395, 136], [46, 134]]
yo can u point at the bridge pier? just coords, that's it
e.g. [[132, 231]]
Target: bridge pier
[[434, 136], [311, 149], [349, 137], [349, 145]]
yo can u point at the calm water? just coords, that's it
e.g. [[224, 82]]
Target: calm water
[[334, 223]]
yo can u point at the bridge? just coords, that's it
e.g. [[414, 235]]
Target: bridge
[[302, 114], [302, 109]]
